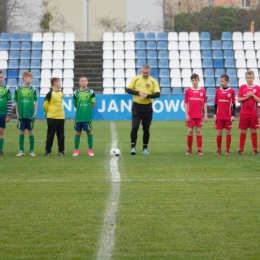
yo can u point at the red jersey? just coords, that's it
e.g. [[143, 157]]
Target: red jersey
[[224, 98], [249, 106], [195, 99]]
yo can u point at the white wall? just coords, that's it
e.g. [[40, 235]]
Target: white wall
[[146, 11]]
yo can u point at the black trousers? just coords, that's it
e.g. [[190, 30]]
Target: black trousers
[[55, 126]]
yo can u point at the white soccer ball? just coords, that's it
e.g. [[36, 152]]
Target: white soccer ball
[[115, 152]]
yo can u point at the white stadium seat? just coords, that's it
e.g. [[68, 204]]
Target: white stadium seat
[[46, 55], [108, 36], [195, 55], [173, 46], [174, 64], [3, 55], [108, 83], [47, 46], [238, 45], [248, 45], [58, 37], [251, 63], [58, 46], [108, 46], [173, 36], [130, 55], [47, 37], [119, 90], [119, 73], [255, 70], [46, 64], [68, 83], [68, 74], [68, 64], [119, 64], [108, 91], [120, 83], [108, 64], [129, 36], [69, 37], [174, 55], [44, 91], [185, 64], [69, 55], [248, 36], [185, 73], [199, 72], [3, 64], [240, 63], [68, 91], [119, 55], [176, 82], [257, 36], [130, 73], [69, 46], [46, 74], [119, 46], [183, 46], [57, 73], [58, 55], [194, 46], [186, 83], [118, 36], [108, 73], [196, 63], [241, 73], [184, 55], [183, 36], [37, 37], [175, 73], [239, 54], [194, 36], [45, 83], [130, 64], [57, 64], [108, 55], [129, 46], [257, 45], [237, 36]]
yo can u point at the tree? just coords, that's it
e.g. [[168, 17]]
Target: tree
[[52, 20]]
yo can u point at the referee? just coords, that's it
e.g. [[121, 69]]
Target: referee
[[144, 88]]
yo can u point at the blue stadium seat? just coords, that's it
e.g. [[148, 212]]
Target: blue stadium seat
[[233, 82], [162, 45], [24, 64], [4, 46], [209, 82], [218, 63], [162, 36], [164, 73], [35, 64], [12, 74], [15, 37], [150, 36], [230, 63], [36, 73], [216, 45], [150, 45], [227, 45], [154, 73], [140, 55], [21, 73], [152, 55], [20, 82], [139, 45], [228, 54], [139, 36], [207, 63], [205, 45], [36, 46], [26, 37], [36, 55], [163, 55], [15, 46], [206, 55], [163, 64], [13, 55], [209, 73], [177, 90], [138, 72], [236, 91], [5, 73], [5, 37], [205, 36], [217, 55], [25, 55], [152, 63], [219, 72], [165, 90], [26, 46], [232, 73], [226, 36], [165, 83], [13, 64], [210, 91], [12, 83], [140, 63], [35, 83]]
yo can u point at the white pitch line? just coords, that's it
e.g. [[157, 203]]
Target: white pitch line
[[106, 247]]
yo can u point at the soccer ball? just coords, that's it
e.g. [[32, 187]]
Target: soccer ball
[[115, 152]]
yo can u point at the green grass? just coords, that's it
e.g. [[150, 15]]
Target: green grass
[[171, 206]]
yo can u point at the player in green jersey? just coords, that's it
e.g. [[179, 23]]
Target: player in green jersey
[[84, 102], [5, 110], [26, 108]]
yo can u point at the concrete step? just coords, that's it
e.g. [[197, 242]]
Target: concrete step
[[82, 61]]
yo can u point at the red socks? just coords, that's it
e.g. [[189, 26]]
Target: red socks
[[219, 142], [199, 141], [189, 142], [242, 142], [254, 141], [228, 142]]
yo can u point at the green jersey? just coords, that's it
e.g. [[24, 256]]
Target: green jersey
[[5, 96], [83, 103], [25, 97]]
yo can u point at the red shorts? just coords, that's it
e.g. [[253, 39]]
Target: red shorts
[[223, 124], [194, 122], [248, 121]]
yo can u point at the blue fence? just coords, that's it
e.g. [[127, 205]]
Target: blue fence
[[118, 107]]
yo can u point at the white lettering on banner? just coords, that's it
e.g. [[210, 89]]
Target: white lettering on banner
[[69, 105], [172, 105], [112, 106], [103, 107], [125, 105]]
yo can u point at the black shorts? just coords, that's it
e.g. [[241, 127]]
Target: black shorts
[[142, 112]]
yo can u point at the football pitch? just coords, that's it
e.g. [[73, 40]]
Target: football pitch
[[165, 206]]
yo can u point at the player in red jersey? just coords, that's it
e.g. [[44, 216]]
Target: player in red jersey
[[194, 102], [224, 112], [249, 97]]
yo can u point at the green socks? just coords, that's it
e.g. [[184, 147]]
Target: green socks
[[90, 141], [31, 139], [76, 141], [21, 142], [1, 144]]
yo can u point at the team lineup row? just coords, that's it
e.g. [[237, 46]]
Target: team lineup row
[[144, 89]]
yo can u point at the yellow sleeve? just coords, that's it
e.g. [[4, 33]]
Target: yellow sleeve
[[132, 83], [46, 104]]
